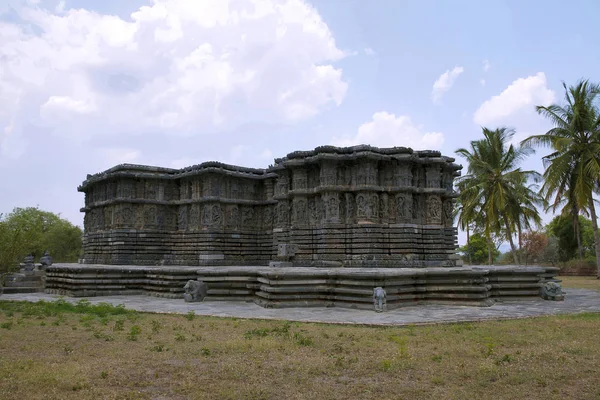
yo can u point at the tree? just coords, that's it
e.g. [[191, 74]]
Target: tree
[[478, 250], [30, 230], [496, 188], [569, 240], [534, 244], [572, 169]]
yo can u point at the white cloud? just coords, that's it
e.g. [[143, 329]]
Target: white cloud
[[388, 130], [445, 82], [486, 65], [482, 82], [176, 66], [113, 156], [369, 51], [519, 98]]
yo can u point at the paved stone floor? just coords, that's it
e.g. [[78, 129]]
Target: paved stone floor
[[576, 301]]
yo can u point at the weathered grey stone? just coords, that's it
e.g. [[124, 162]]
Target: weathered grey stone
[[195, 291], [286, 287], [552, 291], [358, 206], [28, 263], [379, 299], [45, 260]]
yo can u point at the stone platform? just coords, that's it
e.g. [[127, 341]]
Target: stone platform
[[576, 301], [272, 287]]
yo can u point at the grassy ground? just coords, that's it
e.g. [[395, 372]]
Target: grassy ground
[[580, 282], [61, 351]]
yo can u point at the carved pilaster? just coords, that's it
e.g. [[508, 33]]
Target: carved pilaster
[[283, 184], [300, 179], [433, 176], [328, 174]]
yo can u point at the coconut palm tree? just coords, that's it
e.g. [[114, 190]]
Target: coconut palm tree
[[496, 187], [572, 173]]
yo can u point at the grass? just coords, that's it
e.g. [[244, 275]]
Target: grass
[[55, 350], [580, 282]]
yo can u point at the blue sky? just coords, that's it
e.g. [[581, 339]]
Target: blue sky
[[85, 85]]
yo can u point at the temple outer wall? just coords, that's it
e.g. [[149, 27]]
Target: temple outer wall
[[353, 207]]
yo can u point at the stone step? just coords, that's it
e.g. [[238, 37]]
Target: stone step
[[14, 290], [37, 283]]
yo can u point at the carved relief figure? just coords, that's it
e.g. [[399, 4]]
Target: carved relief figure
[[170, 218], [248, 217], [349, 208], [217, 215], [332, 211], [373, 206], [233, 215], [139, 216], [400, 207], [182, 220], [282, 214], [267, 217], [416, 209], [212, 215], [150, 216], [126, 216], [194, 218], [362, 206], [448, 208], [300, 211], [313, 212], [384, 207], [434, 208]]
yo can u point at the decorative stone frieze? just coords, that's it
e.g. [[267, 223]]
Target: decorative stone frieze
[[356, 206]]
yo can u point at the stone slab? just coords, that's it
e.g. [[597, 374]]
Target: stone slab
[[576, 301]]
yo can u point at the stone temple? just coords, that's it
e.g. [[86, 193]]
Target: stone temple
[[353, 207], [333, 226]]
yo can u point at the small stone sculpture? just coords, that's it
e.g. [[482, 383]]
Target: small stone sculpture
[[28, 263], [379, 301], [552, 291], [46, 260], [195, 291]]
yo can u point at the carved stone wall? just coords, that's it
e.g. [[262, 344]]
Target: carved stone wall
[[356, 206]]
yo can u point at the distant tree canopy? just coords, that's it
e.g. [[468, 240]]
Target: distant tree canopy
[[563, 229], [477, 249], [30, 230]]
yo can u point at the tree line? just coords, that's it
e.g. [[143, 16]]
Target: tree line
[[32, 231], [499, 201]]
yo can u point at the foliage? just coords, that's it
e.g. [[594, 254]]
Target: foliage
[[534, 244], [30, 230], [563, 229], [495, 189], [477, 249], [572, 172]]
